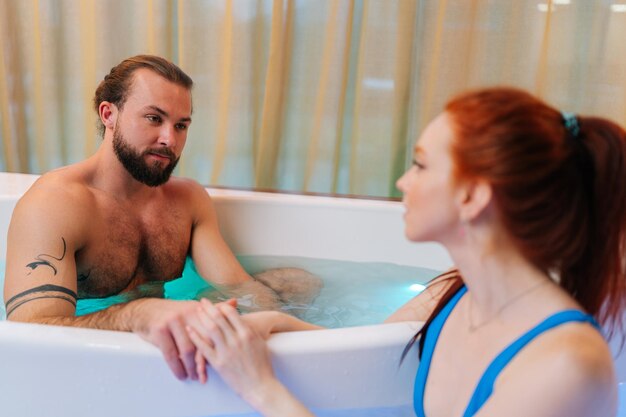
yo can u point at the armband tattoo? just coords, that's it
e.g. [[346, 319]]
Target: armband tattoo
[[48, 290]]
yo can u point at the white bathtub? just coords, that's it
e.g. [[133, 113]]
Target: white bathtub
[[56, 371], [59, 371]]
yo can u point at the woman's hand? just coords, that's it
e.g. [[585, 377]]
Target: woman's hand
[[239, 354], [235, 350]]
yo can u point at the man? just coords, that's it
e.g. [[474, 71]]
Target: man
[[117, 220]]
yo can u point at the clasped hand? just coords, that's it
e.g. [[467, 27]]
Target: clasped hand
[[235, 349], [163, 323]]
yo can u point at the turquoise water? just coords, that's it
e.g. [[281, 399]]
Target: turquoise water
[[354, 293]]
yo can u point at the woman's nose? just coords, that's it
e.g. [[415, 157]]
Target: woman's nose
[[401, 182]]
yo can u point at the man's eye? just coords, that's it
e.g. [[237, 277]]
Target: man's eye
[[181, 126], [152, 118]]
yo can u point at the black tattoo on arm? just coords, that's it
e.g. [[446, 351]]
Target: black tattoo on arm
[[21, 298], [41, 261]]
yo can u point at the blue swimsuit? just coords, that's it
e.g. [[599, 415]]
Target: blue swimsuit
[[485, 384]]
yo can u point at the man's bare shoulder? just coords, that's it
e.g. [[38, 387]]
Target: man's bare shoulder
[[185, 188], [62, 189], [183, 183]]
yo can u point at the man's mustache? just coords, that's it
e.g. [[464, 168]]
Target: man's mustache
[[163, 152]]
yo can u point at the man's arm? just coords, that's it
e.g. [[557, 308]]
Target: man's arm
[[216, 263], [46, 230], [214, 260], [40, 276]]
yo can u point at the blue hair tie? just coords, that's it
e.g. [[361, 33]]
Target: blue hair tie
[[571, 123]]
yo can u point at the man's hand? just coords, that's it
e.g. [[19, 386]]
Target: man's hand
[[251, 296], [163, 323], [270, 290]]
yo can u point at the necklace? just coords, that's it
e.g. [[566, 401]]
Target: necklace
[[473, 327]]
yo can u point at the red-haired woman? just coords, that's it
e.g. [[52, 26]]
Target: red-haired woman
[[531, 205]]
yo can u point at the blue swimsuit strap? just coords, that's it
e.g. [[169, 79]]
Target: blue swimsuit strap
[[484, 389], [485, 385], [431, 336]]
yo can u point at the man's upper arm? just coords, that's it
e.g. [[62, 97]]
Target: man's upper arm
[[211, 255], [40, 276]]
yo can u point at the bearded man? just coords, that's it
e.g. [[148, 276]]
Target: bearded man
[[118, 220]]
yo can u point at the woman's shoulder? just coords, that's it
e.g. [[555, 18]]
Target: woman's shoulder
[[569, 370], [580, 349]]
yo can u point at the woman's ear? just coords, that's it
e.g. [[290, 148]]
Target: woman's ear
[[475, 198], [108, 114]]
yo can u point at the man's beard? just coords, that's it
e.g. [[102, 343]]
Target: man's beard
[[135, 163]]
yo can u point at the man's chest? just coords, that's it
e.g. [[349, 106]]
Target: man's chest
[[125, 250]]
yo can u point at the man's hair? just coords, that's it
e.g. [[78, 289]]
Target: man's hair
[[118, 82]]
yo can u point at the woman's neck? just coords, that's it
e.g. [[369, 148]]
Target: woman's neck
[[494, 271]]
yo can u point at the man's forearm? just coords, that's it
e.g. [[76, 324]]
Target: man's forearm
[[116, 317], [263, 297]]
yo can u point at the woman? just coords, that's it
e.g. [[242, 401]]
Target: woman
[[531, 205]]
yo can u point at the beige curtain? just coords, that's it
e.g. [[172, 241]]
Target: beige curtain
[[301, 95]]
